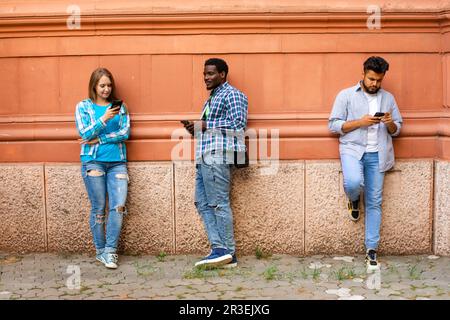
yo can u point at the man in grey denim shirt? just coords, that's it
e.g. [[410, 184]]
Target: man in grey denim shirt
[[366, 117]]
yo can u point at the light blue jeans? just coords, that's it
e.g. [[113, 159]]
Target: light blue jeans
[[212, 199], [102, 179], [364, 175]]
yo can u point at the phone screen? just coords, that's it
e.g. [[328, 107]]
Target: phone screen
[[116, 103], [114, 108]]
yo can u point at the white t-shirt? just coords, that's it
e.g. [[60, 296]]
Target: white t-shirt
[[372, 134]]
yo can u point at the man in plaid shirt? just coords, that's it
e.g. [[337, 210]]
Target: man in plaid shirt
[[219, 134]]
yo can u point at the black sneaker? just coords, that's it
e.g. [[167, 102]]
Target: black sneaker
[[353, 210], [371, 260]]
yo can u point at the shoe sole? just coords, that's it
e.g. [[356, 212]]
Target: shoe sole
[[111, 266], [350, 210], [353, 219], [229, 265], [220, 261], [373, 268]]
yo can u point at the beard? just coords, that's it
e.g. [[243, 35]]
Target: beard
[[368, 90]]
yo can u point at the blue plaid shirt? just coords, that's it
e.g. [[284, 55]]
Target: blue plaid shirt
[[90, 128], [226, 121]]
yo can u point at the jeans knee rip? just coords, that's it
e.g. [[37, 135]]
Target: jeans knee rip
[[215, 206], [99, 219], [95, 173], [121, 209], [122, 176]]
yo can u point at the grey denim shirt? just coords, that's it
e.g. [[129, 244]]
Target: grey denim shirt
[[351, 104]]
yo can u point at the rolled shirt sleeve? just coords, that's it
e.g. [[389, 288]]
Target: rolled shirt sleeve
[[396, 117], [338, 114]]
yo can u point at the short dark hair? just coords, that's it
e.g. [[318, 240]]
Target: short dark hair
[[220, 64], [376, 64]]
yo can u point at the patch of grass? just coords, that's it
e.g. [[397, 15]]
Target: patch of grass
[[351, 273], [316, 273], [200, 272], [271, 273], [84, 288], [261, 254], [440, 292], [414, 288], [344, 273], [290, 276], [180, 296], [414, 272], [304, 273], [106, 283], [392, 268], [161, 256], [233, 272], [238, 289], [195, 273]]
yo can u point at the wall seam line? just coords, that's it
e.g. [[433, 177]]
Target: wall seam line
[[45, 227], [433, 206], [174, 212], [304, 207]]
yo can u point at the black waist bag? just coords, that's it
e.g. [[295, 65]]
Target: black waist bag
[[241, 159]]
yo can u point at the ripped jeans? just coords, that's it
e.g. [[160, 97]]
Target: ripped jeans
[[100, 179], [212, 199]]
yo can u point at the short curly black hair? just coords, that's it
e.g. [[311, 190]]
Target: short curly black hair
[[220, 64], [376, 64]]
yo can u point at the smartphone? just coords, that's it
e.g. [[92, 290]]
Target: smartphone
[[116, 104], [379, 114], [185, 122]]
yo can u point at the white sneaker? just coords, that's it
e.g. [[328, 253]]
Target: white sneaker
[[108, 259]]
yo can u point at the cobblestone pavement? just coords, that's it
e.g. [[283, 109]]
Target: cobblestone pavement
[[53, 276]]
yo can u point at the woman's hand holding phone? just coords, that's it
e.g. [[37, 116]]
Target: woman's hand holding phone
[[112, 111]]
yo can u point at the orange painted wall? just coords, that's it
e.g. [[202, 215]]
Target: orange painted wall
[[291, 60]]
